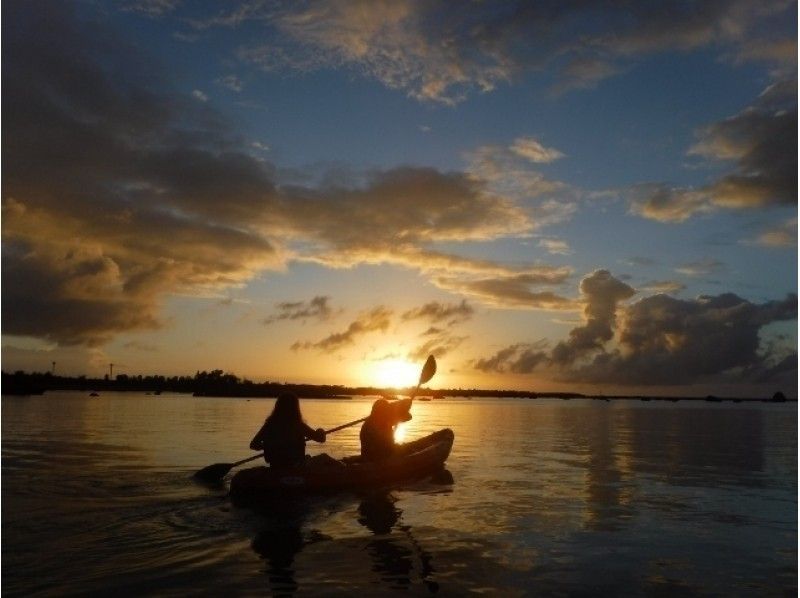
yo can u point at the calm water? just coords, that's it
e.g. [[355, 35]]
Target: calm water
[[549, 497]]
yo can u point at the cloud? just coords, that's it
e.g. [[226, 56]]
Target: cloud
[[658, 340], [435, 312], [377, 319], [584, 72], [783, 235], [761, 141], [119, 191], [438, 341], [410, 205], [512, 291], [640, 261], [780, 52], [530, 149], [602, 294], [199, 95], [75, 361], [139, 346], [510, 172], [231, 82], [152, 8], [438, 347], [555, 246], [704, 267], [315, 309], [521, 358], [671, 341], [663, 286], [667, 204], [434, 53]]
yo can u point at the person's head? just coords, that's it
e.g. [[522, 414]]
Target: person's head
[[381, 412], [286, 409]]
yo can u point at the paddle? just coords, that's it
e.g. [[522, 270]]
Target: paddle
[[428, 370], [217, 471]]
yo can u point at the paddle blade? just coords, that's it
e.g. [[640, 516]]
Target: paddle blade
[[428, 370], [214, 473]]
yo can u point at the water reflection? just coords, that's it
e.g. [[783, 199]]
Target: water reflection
[[393, 559], [279, 541], [623, 451], [553, 498], [592, 433], [698, 447]]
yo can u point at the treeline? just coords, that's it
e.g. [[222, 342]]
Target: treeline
[[217, 383], [221, 384]]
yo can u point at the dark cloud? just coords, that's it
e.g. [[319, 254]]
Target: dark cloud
[[118, 190], [435, 312], [521, 358], [432, 331], [491, 43], [671, 341], [106, 197], [315, 309], [602, 294], [439, 341], [512, 290], [377, 319], [410, 205], [761, 141], [439, 346], [659, 340]]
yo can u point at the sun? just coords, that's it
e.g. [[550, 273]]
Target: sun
[[395, 373]]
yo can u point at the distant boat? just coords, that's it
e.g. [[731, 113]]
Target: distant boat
[[423, 398], [93, 394]]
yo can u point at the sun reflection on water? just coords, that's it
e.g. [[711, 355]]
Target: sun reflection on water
[[400, 433]]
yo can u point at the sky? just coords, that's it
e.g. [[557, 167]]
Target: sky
[[558, 195]]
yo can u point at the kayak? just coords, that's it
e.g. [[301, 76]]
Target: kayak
[[414, 460]]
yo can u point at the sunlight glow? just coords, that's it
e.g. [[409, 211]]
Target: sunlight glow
[[400, 433], [395, 373]]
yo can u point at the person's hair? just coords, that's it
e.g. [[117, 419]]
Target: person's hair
[[381, 412], [286, 410]]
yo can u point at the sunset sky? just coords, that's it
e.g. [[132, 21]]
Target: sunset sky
[[599, 197]]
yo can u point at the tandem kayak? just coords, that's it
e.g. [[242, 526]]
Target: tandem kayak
[[414, 460]]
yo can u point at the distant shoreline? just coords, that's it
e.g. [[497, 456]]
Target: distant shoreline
[[219, 384]]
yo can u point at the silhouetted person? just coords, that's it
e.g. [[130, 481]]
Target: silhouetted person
[[283, 436], [377, 432]]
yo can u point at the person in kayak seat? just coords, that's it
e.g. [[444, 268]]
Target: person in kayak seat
[[283, 437], [377, 431]]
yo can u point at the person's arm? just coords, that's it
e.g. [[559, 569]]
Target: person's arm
[[257, 444], [311, 434]]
